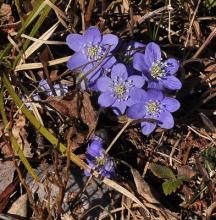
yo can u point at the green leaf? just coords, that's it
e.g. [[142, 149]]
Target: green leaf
[[210, 4], [170, 186], [162, 171]]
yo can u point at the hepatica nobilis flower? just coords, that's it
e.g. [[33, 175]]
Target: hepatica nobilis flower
[[90, 48], [59, 88], [119, 90], [97, 159], [156, 109], [44, 89], [160, 74]]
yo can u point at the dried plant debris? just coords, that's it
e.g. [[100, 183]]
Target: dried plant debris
[[107, 109]]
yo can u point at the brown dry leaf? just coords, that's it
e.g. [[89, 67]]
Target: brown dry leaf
[[54, 75], [5, 10], [5, 148], [20, 134], [7, 169], [6, 18], [188, 194], [143, 188], [5, 195], [19, 207], [186, 171], [212, 78], [197, 29], [78, 107], [126, 7]]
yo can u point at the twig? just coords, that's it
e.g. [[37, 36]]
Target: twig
[[100, 61], [118, 135], [201, 135], [210, 210], [82, 6], [169, 24], [131, 23], [130, 212], [157, 11], [172, 151], [206, 178], [191, 23], [165, 155], [88, 14], [207, 41]]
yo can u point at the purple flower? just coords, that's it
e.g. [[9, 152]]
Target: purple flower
[[95, 74], [127, 53], [119, 90], [96, 158], [44, 88], [59, 88], [90, 48], [160, 74], [156, 109]]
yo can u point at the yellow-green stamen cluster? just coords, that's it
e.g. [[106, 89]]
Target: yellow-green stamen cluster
[[119, 90], [94, 52], [153, 108], [157, 70], [100, 161]]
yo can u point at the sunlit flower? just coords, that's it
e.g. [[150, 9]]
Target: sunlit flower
[[155, 109], [119, 91], [97, 159], [91, 48], [159, 73]]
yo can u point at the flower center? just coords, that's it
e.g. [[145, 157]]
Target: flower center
[[157, 70], [100, 161], [94, 52], [120, 89], [153, 108]]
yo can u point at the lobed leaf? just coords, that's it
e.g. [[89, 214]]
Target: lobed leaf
[[171, 185], [162, 171]]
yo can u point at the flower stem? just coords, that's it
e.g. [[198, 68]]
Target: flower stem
[[118, 135]]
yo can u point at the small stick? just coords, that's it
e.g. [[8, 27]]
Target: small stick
[[151, 14], [169, 23], [118, 135], [191, 23], [207, 41]]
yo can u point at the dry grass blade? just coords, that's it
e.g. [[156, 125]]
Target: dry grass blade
[[204, 45], [125, 192], [210, 210], [143, 188], [53, 42], [38, 44], [30, 66]]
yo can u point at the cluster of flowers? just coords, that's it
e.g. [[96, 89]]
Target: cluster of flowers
[[137, 86]]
